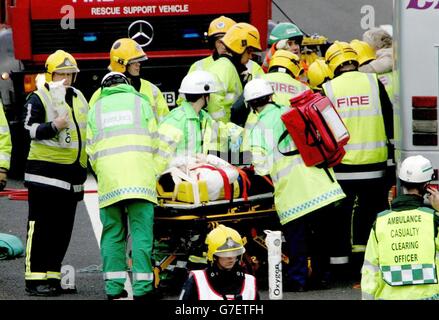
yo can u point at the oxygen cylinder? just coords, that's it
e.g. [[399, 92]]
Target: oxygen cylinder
[[274, 248]]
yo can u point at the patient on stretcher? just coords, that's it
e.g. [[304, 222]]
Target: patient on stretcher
[[203, 178]]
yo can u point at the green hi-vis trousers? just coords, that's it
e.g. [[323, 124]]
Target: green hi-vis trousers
[[140, 215]]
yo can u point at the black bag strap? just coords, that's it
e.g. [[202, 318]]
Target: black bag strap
[[288, 153]]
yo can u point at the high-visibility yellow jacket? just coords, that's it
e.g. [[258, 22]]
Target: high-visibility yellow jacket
[[59, 156], [284, 86], [121, 143], [355, 95], [184, 132], [402, 254], [5, 140], [298, 189], [155, 96]]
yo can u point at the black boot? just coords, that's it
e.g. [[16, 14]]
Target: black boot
[[123, 294], [40, 290]]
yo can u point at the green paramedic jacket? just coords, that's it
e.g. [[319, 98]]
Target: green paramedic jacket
[[298, 189], [184, 132], [152, 92], [121, 143], [402, 254]]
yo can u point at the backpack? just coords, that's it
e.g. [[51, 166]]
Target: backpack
[[317, 130]]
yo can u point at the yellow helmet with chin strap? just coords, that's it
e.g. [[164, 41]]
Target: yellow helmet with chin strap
[[224, 242], [364, 51], [287, 60], [339, 54], [123, 52], [318, 73], [60, 62], [220, 26], [242, 36]]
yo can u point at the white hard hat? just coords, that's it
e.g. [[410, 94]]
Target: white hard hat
[[198, 82], [416, 169], [113, 78], [257, 88]]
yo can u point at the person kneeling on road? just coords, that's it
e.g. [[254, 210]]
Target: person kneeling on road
[[224, 278]]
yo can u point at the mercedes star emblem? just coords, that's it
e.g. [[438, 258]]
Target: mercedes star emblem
[[142, 32]]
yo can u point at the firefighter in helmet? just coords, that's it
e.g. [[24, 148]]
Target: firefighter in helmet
[[405, 270], [365, 108], [189, 129], [217, 28], [126, 56], [55, 116], [124, 192], [303, 195], [224, 278], [283, 71], [318, 74], [286, 36], [231, 72]]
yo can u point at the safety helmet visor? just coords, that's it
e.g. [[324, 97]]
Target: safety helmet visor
[[230, 253]]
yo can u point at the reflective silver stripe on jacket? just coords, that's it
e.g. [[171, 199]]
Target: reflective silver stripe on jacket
[[370, 266], [365, 146], [192, 137], [218, 114], [4, 129], [45, 180], [339, 260], [366, 296], [214, 135], [121, 149], [154, 107], [285, 171], [115, 275], [5, 157], [33, 128], [359, 175], [121, 132], [375, 109], [143, 276]]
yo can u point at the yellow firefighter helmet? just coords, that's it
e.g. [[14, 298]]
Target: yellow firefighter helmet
[[123, 52], [364, 51], [242, 36], [220, 26], [339, 54], [224, 242], [60, 61], [318, 73], [288, 60]]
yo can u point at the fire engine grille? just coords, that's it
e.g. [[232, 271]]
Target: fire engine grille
[[97, 35]]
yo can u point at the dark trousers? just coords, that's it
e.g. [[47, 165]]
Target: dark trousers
[[49, 229], [306, 237], [357, 212]]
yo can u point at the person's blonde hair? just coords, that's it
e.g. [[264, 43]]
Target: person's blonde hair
[[378, 38]]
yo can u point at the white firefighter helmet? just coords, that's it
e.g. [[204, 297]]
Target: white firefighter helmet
[[416, 169], [257, 88], [198, 82]]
